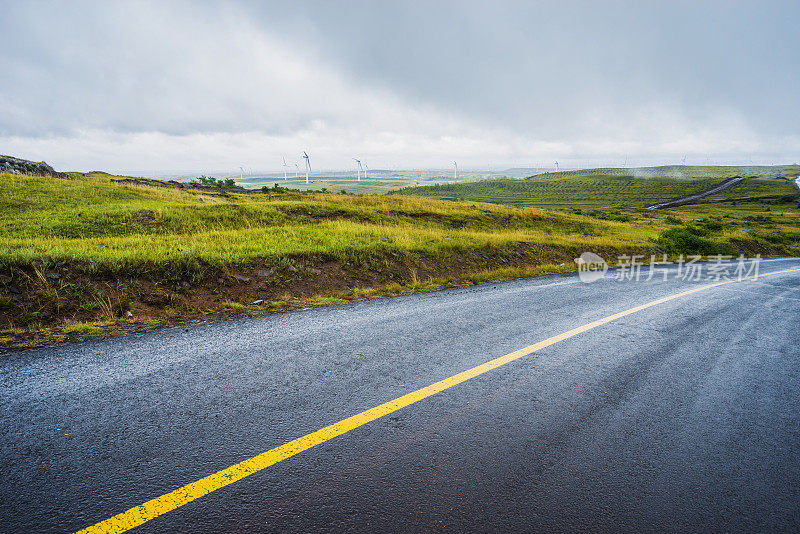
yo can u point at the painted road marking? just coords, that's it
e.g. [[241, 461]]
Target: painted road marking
[[177, 498]]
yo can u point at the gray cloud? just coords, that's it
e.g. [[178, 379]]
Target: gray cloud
[[408, 81]]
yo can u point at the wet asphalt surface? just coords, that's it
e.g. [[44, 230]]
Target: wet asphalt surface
[[683, 417]]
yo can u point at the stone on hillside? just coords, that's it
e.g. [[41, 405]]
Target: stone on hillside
[[13, 165]]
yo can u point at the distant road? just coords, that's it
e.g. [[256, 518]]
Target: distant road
[[690, 199], [680, 416]]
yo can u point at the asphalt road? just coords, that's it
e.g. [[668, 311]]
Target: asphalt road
[[681, 417]]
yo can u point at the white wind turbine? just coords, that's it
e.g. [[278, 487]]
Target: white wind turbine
[[296, 170], [366, 170], [284, 169], [308, 164], [358, 171], [241, 176], [455, 171]]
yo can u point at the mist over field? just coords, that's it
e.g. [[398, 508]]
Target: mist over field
[[180, 86]]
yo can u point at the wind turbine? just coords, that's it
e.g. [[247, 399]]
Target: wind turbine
[[284, 169], [455, 171], [296, 168], [366, 170], [241, 176], [556, 166], [308, 164], [360, 168]]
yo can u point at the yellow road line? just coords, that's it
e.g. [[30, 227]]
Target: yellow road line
[[177, 498]]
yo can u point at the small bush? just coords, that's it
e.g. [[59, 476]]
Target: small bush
[[217, 182], [688, 241], [759, 219], [712, 225], [783, 238], [618, 217]]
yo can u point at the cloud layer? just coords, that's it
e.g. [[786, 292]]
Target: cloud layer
[[173, 86]]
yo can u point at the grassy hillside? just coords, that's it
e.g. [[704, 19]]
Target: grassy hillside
[[596, 188], [83, 255], [109, 227]]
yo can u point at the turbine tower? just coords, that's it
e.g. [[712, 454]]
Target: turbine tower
[[358, 171], [241, 176], [308, 164], [366, 170], [455, 171], [556, 166], [296, 169], [284, 169]]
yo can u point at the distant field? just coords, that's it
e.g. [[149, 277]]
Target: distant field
[[368, 187], [599, 188], [371, 186], [755, 188]]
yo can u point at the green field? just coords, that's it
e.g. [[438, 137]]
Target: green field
[[599, 188], [81, 255]]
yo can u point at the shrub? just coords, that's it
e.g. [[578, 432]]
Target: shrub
[[688, 240], [712, 225], [759, 219], [618, 217], [216, 182]]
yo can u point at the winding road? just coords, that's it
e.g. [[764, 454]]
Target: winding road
[[556, 406], [690, 199]]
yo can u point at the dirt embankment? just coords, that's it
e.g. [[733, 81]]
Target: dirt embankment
[[691, 199], [51, 302]]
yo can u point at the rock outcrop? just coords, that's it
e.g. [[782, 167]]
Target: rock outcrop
[[11, 165]]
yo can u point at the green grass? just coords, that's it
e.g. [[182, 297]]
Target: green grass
[[81, 329], [101, 224]]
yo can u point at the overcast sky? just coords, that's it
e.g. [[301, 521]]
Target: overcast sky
[[178, 86]]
